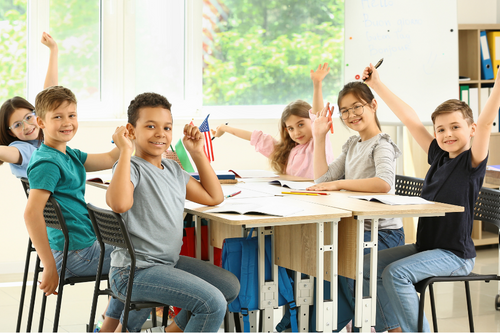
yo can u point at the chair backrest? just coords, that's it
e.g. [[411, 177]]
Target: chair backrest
[[52, 212], [110, 229], [487, 207], [409, 186]]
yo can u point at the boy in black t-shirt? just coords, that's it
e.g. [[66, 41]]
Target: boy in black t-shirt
[[444, 246]]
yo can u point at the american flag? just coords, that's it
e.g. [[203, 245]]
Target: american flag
[[209, 152]]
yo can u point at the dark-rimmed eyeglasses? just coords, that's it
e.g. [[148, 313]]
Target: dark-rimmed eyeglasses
[[357, 110]]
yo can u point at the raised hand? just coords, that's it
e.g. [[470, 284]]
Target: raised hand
[[219, 131], [48, 41], [322, 124], [122, 140], [370, 75], [193, 140], [320, 73]]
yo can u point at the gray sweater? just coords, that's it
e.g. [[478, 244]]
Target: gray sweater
[[375, 157]]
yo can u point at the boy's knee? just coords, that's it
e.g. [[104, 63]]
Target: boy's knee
[[233, 287]]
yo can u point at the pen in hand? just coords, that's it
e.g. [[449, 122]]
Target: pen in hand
[[214, 136], [377, 65]]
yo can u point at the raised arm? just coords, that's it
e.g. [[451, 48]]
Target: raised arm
[[103, 161], [51, 79], [320, 127], [35, 223], [317, 79], [481, 141], [208, 190], [10, 155], [402, 110], [120, 193], [242, 134]]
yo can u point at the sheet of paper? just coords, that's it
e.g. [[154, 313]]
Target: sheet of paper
[[394, 199]]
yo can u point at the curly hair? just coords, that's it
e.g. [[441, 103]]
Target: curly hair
[[454, 105], [145, 100], [7, 109], [279, 156]]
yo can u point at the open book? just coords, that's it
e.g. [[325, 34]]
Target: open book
[[270, 206], [394, 199], [102, 178], [292, 185]]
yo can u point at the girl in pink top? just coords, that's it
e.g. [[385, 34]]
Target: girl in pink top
[[293, 154]]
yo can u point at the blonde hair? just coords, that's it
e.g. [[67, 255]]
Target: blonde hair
[[279, 156], [51, 98], [454, 105]]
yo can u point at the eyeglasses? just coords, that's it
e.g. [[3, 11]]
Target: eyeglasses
[[357, 110], [29, 119]]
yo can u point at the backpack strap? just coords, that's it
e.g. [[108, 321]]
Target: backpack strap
[[247, 279], [285, 287]]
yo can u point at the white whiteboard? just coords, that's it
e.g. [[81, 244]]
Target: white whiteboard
[[418, 40]]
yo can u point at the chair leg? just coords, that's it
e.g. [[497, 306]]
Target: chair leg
[[58, 303], [469, 306], [42, 313], [153, 317], [433, 308], [421, 311], [34, 288], [23, 288], [166, 311]]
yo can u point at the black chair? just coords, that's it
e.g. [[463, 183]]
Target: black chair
[[53, 219], [487, 209], [110, 229]]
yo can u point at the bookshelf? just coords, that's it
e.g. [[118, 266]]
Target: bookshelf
[[469, 65]]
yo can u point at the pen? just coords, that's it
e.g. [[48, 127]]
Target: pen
[[320, 193], [330, 118], [232, 195], [301, 193], [377, 65], [214, 136]]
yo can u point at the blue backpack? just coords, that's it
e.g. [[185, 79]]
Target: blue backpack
[[240, 257]]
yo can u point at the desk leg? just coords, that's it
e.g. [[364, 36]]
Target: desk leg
[[365, 308], [210, 247], [268, 290], [326, 319], [197, 231], [304, 289]]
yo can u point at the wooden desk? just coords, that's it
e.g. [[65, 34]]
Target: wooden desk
[[316, 216]]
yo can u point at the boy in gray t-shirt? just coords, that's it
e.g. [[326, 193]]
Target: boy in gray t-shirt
[[149, 193]]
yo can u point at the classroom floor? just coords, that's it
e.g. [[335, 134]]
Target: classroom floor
[[450, 300]]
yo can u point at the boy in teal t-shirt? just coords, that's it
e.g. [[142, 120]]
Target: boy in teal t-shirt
[[59, 170]]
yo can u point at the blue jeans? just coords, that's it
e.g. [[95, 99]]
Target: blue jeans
[[84, 262], [399, 269], [387, 238], [192, 285]]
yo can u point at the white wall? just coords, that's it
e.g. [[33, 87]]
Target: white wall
[[230, 152]]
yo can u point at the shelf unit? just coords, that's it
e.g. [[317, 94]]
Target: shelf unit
[[469, 64]]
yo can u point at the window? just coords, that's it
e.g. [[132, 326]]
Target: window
[[261, 52], [13, 37]]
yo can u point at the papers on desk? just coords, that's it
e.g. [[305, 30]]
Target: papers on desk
[[292, 185], [269, 206], [244, 193], [393, 199], [100, 178], [253, 173]]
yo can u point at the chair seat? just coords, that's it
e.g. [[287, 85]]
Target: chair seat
[[79, 279], [420, 286]]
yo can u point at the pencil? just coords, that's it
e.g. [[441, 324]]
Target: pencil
[[320, 193], [301, 193]]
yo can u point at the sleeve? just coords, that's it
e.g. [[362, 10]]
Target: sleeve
[[81, 155], [480, 170], [433, 152], [335, 171], [384, 156], [44, 175], [134, 172], [264, 143], [26, 150]]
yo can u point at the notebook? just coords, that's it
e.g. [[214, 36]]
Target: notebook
[[292, 185], [394, 199], [101, 179], [266, 206]]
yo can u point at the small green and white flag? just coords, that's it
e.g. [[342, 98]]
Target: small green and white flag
[[183, 156]]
